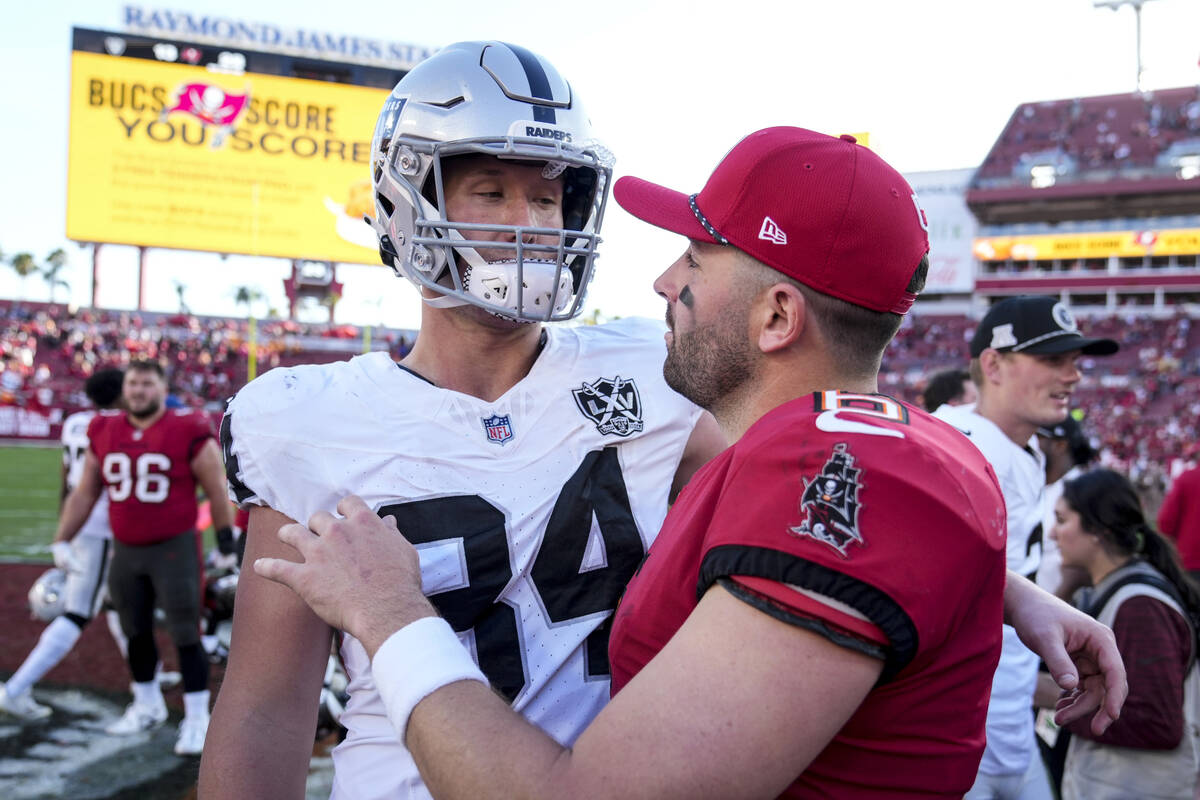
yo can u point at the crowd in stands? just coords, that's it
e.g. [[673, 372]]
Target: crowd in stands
[[1094, 133], [1141, 407], [47, 351]]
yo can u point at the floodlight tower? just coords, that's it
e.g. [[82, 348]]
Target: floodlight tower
[[1137, 13]]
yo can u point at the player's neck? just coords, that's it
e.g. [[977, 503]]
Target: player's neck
[[781, 381], [1015, 428], [141, 423], [456, 351]]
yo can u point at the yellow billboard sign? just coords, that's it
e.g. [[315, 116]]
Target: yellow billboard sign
[[172, 155], [1123, 244]]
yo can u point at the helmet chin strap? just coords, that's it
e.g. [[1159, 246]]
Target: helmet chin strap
[[471, 256], [443, 301]]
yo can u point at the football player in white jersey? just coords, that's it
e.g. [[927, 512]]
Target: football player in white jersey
[[534, 464], [84, 559], [1024, 359]]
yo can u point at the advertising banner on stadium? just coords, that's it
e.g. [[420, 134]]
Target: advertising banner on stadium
[[952, 228], [22, 423], [176, 155], [1123, 244]]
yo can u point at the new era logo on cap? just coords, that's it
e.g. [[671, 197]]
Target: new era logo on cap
[[772, 232]]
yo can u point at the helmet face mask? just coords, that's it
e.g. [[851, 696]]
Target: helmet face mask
[[491, 99]]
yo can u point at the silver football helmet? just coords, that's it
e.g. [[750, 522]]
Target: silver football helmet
[[48, 595], [501, 100]]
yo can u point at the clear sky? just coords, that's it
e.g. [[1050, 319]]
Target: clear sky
[[670, 87]]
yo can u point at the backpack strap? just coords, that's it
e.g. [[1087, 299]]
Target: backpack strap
[[1166, 587], [1100, 601]]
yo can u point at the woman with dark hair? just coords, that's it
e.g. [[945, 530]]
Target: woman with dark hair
[[1140, 590]]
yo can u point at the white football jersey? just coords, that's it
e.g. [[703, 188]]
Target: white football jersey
[[530, 513], [1021, 471], [75, 447]]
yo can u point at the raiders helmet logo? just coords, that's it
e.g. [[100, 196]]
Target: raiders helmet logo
[[830, 503], [612, 403]]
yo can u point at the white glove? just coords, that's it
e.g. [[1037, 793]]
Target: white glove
[[219, 560], [64, 557]]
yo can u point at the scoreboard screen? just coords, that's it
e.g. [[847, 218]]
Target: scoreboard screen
[[201, 147]]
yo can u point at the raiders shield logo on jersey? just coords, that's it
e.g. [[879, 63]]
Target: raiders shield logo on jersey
[[830, 503], [498, 428], [612, 403]]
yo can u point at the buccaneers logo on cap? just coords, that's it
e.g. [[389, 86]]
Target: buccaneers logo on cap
[[830, 503]]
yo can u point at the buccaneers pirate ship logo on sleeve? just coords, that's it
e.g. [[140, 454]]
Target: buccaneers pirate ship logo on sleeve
[[830, 503]]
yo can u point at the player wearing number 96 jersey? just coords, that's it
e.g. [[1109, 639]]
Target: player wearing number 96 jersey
[[531, 511], [147, 473], [149, 461]]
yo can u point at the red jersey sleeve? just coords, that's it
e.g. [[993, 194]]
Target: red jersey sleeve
[[200, 430], [1168, 515], [863, 538], [94, 428]]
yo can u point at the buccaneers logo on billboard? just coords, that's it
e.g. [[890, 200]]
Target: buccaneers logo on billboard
[[211, 105]]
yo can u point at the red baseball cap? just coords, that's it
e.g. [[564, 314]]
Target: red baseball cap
[[821, 209]]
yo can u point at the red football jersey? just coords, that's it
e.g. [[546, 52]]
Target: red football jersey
[[148, 473], [840, 500]]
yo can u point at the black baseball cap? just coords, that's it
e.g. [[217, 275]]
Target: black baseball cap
[[1034, 324], [1070, 431]]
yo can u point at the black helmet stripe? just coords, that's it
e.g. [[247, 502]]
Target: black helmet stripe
[[539, 84]]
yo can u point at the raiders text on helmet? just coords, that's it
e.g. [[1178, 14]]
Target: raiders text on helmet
[[494, 99]]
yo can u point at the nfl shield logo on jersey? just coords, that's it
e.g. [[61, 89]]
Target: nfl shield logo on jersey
[[498, 428], [613, 404]]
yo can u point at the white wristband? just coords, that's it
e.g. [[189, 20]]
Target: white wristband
[[416, 661]]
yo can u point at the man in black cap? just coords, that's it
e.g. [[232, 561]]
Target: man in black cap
[[1024, 359]]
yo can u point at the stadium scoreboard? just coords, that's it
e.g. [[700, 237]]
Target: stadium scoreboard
[[198, 146]]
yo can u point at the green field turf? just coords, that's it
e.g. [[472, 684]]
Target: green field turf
[[29, 488]]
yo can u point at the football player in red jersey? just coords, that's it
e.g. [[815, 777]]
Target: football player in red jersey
[[820, 613], [150, 461]]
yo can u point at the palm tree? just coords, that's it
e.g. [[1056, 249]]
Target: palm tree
[[24, 265], [56, 262], [247, 296], [180, 288]]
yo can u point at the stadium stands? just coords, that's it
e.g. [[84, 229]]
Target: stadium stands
[[1142, 406], [1078, 155], [46, 351]]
